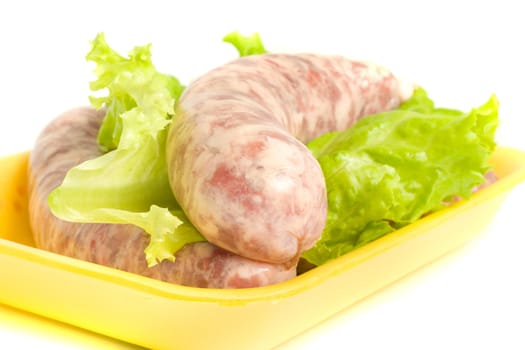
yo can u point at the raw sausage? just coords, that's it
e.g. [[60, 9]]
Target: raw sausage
[[237, 161], [68, 141]]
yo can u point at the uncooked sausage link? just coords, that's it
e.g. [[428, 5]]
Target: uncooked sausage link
[[236, 158], [71, 139]]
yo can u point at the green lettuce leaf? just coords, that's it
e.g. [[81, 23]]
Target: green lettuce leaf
[[129, 184], [246, 45], [392, 168], [128, 81]]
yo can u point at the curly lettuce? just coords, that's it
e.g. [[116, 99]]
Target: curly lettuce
[[391, 168], [129, 183], [246, 45]]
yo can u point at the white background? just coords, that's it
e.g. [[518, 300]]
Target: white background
[[460, 51]]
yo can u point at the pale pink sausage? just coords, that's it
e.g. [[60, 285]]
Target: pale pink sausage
[[71, 139], [236, 158]]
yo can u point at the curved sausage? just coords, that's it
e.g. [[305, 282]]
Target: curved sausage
[[236, 158], [68, 141]]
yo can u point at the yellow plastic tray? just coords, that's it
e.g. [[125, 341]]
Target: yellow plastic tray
[[159, 315]]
